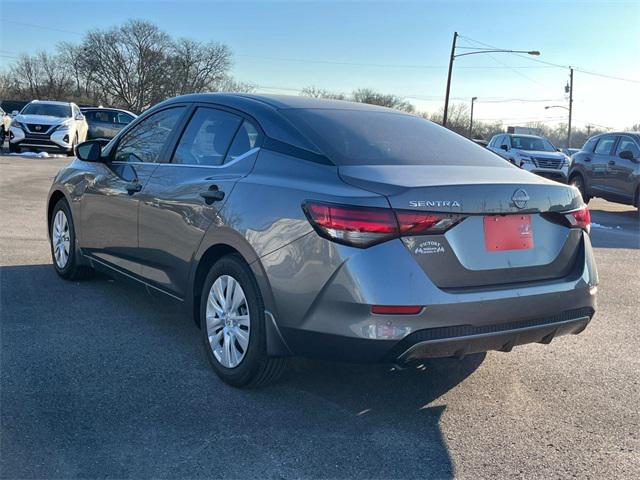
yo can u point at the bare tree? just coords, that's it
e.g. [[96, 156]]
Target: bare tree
[[129, 64], [366, 95], [316, 92], [197, 67]]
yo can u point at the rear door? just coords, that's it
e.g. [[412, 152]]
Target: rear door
[[185, 196], [600, 164], [109, 210]]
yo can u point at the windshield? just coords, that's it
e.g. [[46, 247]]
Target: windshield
[[365, 137], [532, 143], [48, 109]]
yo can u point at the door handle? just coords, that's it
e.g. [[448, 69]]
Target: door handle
[[133, 187], [612, 162], [212, 195], [588, 159]]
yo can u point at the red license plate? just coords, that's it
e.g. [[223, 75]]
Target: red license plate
[[507, 232]]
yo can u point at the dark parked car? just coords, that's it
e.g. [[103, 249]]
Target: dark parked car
[[106, 122], [608, 166], [299, 226]]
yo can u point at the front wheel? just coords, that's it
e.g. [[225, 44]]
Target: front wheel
[[232, 321], [63, 241], [578, 182], [13, 148], [72, 151]]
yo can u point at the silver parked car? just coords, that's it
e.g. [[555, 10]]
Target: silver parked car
[[297, 226]]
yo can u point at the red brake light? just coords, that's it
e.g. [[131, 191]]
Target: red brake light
[[365, 226], [351, 225], [580, 219]]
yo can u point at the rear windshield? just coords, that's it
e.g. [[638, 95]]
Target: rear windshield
[[360, 137], [49, 109]]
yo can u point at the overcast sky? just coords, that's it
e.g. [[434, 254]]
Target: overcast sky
[[394, 47]]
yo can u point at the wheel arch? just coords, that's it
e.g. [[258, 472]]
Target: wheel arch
[[54, 198], [227, 243]]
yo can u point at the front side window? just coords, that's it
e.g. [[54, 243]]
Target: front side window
[[604, 145], [145, 141], [588, 146], [206, 139], [627, 143], [47, 109]]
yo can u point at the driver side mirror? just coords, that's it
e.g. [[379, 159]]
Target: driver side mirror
[[504, 147], [80, 117], [90, 151], [14, 113], [627, 155]]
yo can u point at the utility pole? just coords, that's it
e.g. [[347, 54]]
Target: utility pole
[[446, 98], [473, 99], [570, 106], [588, 130]]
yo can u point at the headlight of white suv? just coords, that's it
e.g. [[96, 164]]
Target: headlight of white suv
[[66, 125], [525, 159]]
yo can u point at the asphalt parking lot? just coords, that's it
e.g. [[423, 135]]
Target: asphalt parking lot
[[98, 379]]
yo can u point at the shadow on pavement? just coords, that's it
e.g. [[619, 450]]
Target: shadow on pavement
[[615, 229], [99, 379]]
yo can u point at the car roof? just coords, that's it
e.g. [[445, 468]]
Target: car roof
[[279, 102], [526, 135], [105, 109], [51, 102]]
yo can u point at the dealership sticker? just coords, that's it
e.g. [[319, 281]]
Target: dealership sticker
[[429, 247]]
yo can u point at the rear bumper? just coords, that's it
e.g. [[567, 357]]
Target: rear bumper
[[454, 341]]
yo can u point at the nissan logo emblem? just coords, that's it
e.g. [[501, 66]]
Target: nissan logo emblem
[[520, 198], [38, 128]]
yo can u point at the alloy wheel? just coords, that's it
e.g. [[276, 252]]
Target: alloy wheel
[[60, 237], [227, 321]]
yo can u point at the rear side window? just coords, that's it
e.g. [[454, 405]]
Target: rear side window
[[206, 139], [604, 145], [366, 137], [247, 138], [145, 141]]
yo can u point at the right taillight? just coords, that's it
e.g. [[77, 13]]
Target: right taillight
[[580, 219], [365, 226]]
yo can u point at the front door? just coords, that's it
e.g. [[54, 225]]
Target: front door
[[186, 196], [109, 212], [600, 164]]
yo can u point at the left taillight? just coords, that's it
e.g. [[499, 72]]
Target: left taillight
[[365, 226], [580, 218]]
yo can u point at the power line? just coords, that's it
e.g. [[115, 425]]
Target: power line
[[24, 24], [557, 65]]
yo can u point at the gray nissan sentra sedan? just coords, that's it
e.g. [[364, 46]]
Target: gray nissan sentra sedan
[[296, 226]]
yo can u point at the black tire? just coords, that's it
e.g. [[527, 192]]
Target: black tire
[[13, 148], [72, 152], [72, 270], [256, 368], [578, 182]]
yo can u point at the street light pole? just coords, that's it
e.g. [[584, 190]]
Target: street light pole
[[474, 52], [570, 106], [446, 98], [473, 99]]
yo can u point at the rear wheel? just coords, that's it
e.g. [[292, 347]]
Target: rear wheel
[[63, 240], [232, 321], [578, 182]]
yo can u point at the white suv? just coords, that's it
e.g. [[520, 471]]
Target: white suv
[[46, 125], [532, 153]]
